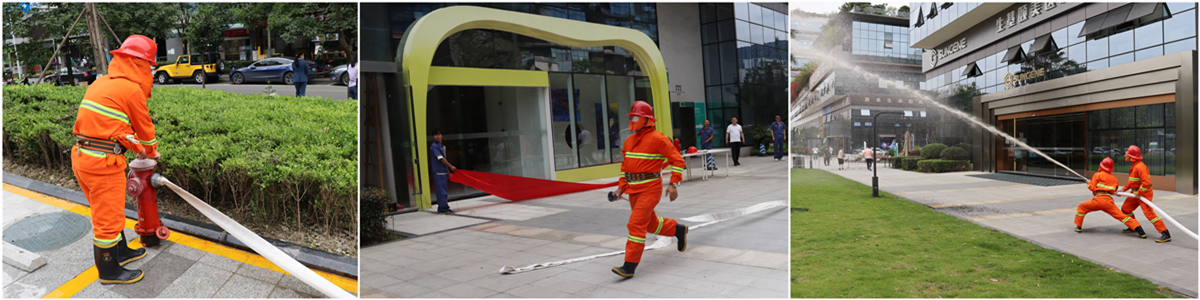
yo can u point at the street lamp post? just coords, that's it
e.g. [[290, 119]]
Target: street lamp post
[[875, 143]]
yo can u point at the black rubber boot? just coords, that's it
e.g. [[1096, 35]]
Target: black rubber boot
[[1127, 230], [626, 270], [1166, 237], [681, 234], [128, 255], [110, 269], [1141, 233], [1078, 229]]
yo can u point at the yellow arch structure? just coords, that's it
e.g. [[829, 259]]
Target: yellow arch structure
[[421, 40]]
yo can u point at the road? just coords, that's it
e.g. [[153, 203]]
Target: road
[[319, 87]]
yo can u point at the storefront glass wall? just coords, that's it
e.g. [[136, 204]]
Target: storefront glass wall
[[1150, 127], [596, 130], [744, 50]]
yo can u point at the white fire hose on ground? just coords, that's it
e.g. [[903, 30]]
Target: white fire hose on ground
[[661, 241], [1160, 213], [268, 251]]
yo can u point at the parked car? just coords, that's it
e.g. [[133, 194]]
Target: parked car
[[200, 68], [59, 77], [338, 75], [275, 69]]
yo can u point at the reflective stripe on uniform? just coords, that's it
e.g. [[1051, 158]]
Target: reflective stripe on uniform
[[150, 142], [106, 242], [1156, 219], [1080, 214], [93, 152], [1126, 219], [660, 221], [103, 110], [1134, 179], [1142, 188], [637, 239], [1105, 186], [676, 169], [644, 155], [640, 181]]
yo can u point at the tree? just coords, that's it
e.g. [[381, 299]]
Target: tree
[[304, 20], [206, 25], [48, 22]]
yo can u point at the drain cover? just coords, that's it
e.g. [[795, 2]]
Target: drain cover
[[47, 231]]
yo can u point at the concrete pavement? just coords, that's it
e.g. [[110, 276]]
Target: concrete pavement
[[460, 255], [180, 267], [1045, 216]]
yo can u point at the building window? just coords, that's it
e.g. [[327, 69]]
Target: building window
[[866, 112]]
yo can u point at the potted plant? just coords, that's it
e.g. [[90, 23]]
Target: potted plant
[[763, 136]]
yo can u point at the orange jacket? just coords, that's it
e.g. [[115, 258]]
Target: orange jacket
[[115, 106], [1103, 181], [644, 152], [1139, 180]]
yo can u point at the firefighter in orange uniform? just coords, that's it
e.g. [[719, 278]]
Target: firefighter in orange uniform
[[1102, 185], [644, 153], [112, 108], [1139, 183]]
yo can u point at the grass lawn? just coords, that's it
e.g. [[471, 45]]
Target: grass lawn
[[846, 243]]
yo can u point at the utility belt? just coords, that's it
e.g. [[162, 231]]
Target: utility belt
[[1101, 193], [97, 144], [632, 177]]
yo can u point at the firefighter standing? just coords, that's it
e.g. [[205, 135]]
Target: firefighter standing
[[644, 152], [112, 108], [1102, 185], [1139, 183]]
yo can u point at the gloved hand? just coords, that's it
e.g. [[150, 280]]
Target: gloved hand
[[156, 156]]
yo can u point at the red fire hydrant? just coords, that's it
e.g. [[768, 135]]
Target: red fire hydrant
[[149, 226]]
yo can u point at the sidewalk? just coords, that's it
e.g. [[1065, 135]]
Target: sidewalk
[[180, 267], [461, 255], [1045, 216]]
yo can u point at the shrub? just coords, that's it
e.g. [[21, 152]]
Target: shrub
[[932, 151], [890, 152], [374, 222], [898, 162], [263, 159], [942, 165], [955, 153], [910, 162], [914, 152]]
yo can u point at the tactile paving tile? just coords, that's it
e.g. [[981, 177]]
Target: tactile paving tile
[[47, 231]]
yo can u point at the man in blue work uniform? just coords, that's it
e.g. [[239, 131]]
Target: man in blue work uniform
[[441, 172], [777, 135], [706, 136]]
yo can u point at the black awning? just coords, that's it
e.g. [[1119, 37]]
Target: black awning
[[1093, 25], [972, 70], [1043, 44], [1148, 12], [1014, 55], [1116, 16]]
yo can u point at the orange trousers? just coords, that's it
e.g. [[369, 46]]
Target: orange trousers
[[103, 183], [1133, 203], [643, 221], [1104, 203]]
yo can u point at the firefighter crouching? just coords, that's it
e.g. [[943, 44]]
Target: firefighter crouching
[[1102, 185]]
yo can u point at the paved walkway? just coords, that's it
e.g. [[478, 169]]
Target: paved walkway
[[460, 256], [1045, 215], [180, 267]]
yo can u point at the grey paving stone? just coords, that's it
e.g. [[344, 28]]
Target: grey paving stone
[[259, 274], [466, 290], [182, 251], [240, 286], [160, 272], [96, 291], [279, 292], [528, 291], [220, 262], [199, 281], [294, 284]]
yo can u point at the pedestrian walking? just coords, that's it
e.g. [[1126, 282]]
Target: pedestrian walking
[[441, 172], [114, 107], [706, 136], [734, 138], [869, 157], [778, 136], [300, 75], [641, 178], [841, 157], [1139, 183], [352, 72], [828, 154]]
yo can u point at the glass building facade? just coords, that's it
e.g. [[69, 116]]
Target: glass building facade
[[745, 70]]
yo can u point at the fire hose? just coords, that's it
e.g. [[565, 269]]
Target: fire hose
[[1160, 213], [709, 219], [151, 229]]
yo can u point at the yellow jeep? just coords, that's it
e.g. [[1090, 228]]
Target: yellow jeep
[[197, 67]]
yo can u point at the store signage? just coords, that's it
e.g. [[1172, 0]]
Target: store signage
[[236, 32], [1021, 14], [1011, 80], [939, 54]]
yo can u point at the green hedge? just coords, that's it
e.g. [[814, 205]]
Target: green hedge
[[932, 151], [942, 165], [374, 223], [268, 159], [910, 162], [955, 153], [898, 162]]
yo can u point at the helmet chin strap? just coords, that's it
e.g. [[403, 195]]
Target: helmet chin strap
[[644, 122]]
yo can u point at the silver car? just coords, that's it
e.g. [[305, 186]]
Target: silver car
[[338, 74]]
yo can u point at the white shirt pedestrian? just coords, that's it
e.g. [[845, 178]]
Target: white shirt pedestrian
[[735, 133]]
